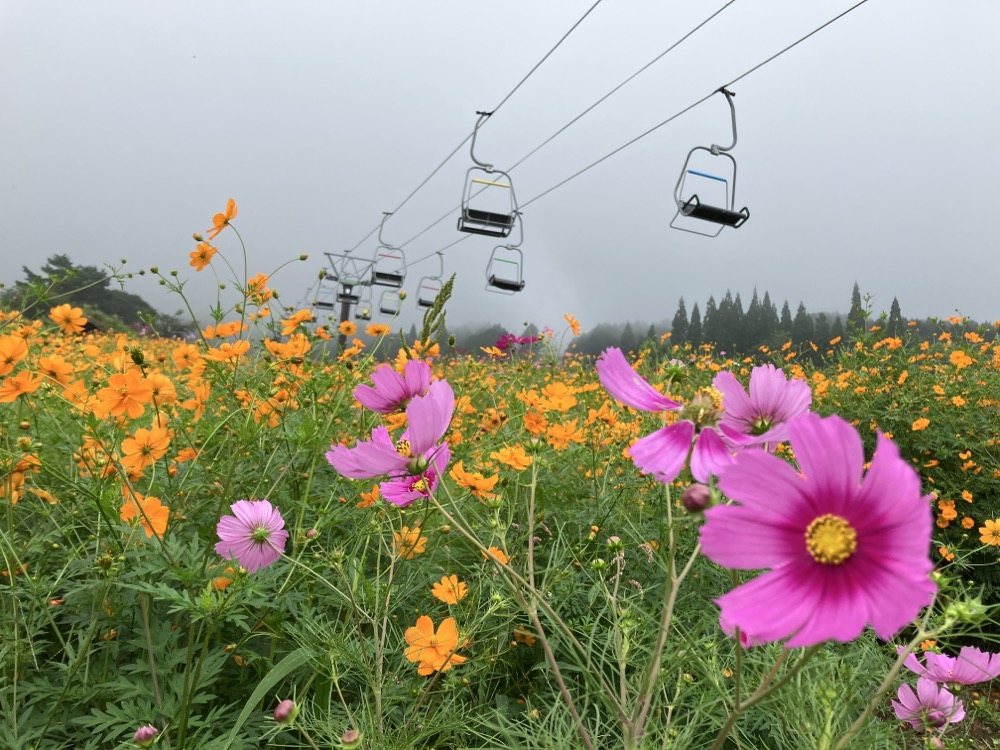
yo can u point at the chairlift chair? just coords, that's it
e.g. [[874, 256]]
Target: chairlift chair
[[389, 266], [348, 294], [489, 206], [505, 269], [429, 287], [363, 310], [705, 193], [325, 297], [390, 302]]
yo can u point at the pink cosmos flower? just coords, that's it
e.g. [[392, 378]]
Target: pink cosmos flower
[[664, 452], [969, 667], [427, 419], [405, 488], [746, 640], [391, 391], [762, 416], [254, 535], [844, 549], [931, 707]]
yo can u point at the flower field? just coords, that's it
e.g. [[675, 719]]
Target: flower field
[[257, 538]]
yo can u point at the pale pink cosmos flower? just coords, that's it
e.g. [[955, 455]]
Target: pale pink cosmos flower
[[427, 420], [390, 390], [761, 416], [254, 535], [969, 667], [664, 452], [931, 707], [844, 548]]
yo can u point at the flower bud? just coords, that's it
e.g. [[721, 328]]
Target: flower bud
[[402, 294], [351, 738], [304, 256], [197, 237], [614, 544], [285, 712], [696, 497], [145, 735]]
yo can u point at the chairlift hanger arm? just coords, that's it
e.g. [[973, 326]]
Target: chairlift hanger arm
[[483, 117], [383, 243], [732, 111]]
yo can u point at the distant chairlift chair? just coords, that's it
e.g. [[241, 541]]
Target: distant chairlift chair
[[325, 296], [505, 270], [390, 302], [389, 266], [489, 206], [429, 287], [363, 311], [706, 190]]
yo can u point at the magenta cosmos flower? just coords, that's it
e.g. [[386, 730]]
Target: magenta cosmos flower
[[254, 535], [663, 452], [427, 419], [761, 416], [404, 489], [931, 707], [844, 548], [969, 667], [390, 390]]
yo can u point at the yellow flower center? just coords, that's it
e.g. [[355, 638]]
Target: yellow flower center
[[420, 485], [403, 447], [831, 539], [705, 409]]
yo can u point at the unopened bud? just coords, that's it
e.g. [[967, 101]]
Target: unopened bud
[[197, 237], [402, 294], [696, 497], [285, 712], [145, 735], [154, 269], [351, 738], [304, 256]]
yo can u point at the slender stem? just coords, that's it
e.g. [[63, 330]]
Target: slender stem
[[157, 698]]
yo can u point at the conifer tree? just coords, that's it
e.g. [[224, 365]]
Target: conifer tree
[[694, 332], [802, 327], [894, 326], [679, 325], [785, 324], [856, 317], [753, 330], [710, 323], [628, 340], [770, 317]]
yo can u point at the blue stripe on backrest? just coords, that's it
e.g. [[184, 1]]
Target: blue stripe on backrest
[[705, 174]]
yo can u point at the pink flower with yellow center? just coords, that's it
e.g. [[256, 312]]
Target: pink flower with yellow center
[[844, 548]]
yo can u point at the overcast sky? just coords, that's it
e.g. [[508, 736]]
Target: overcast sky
[[868, 153]]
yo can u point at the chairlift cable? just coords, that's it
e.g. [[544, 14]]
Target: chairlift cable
[[620, 85], [469, 136], [673, 117], [586, 111]]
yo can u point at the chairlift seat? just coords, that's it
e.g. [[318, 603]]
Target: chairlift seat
[[715, 214], [388, 310], [387, 278], [323, 305], [348, 297], [489, 223], [507, 285]]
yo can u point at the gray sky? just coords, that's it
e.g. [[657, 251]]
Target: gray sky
[[868, 153]]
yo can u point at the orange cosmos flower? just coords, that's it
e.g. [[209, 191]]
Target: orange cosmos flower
[[12, 350], [289, 324], [368, 498], [449, 589], [377, 329], [201, 256], [144, 448], [55, 368], [574, 324], [557, 397], [220, 220], [257, 290], [960, 359], [990, 533], [147, 510], [125, 394], [515, 457], [473, 481], [407, 542], [347, 328], [534, 422], [560, 435], [497, 553], [19, 384], [69, 319], [920, 424], [434, 651], [228, 351]]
